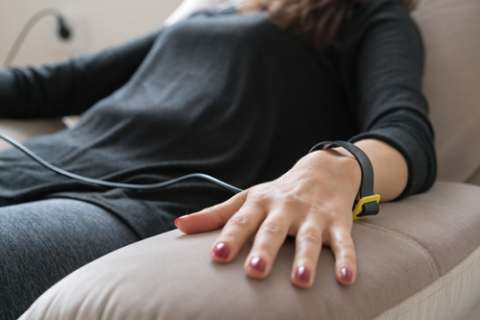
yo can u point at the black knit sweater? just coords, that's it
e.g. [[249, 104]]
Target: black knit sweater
[[222, 93]]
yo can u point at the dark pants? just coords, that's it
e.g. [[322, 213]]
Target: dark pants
[[43, 241]]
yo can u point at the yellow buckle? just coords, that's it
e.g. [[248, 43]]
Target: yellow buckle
[[360, 202]]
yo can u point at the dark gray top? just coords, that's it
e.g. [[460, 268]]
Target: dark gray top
[[221, 93]]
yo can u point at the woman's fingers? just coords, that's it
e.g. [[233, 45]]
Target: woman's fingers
[[268, 241], [211, 218], [308, 245], [342, 245], [237, 230], [242, 216]]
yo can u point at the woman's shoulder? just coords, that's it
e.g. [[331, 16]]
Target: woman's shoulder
[[368, 13], [365, 11]]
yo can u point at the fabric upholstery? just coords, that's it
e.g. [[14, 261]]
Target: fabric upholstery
[[409, 246], [452, 77], [453, 296], [475, 178]]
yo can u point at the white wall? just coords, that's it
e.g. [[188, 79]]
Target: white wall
[[96, 24]]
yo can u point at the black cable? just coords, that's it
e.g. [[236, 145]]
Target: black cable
[[63, 31], [109, 184]]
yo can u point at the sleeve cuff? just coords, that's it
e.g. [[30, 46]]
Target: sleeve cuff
[[421, 169]]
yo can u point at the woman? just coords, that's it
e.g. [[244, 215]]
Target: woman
[[240, 93]]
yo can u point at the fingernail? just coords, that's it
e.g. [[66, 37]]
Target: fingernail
[[303, 274], [221, 250], [258, 264], [346, 274], [177, 220]]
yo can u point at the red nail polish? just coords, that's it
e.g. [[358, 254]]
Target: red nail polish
[[221, 250], [346, 274], [258, 264], [303, 274]]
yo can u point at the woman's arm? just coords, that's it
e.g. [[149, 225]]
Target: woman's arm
[[389, 166], [313, 200], [391, 110], [72, 86]]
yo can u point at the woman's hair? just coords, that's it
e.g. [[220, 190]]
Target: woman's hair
[[320, 19]]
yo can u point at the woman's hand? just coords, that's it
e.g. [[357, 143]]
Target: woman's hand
[[312, 201]]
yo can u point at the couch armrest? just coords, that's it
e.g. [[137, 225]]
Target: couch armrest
[[24, 129], [411, 245]]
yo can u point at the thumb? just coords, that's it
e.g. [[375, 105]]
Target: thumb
[[211, 218]]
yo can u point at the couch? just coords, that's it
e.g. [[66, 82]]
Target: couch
[[418, 259]]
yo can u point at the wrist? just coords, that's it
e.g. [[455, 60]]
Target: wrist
[[341, 161], [353, 166], [368, 200]]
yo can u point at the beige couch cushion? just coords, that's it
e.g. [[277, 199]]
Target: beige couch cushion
[[451, 31], [170, 276]]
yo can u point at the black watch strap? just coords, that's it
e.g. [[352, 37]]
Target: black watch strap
[[366, 202]]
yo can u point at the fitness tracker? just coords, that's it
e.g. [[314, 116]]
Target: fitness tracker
[[366, 202]]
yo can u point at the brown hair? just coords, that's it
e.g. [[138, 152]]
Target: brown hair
[[320, 19]]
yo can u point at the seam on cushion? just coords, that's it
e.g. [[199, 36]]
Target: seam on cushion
[[400, 235], [475, 173], [444, 285], [106, 300], [56, 296], [458, 274]]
